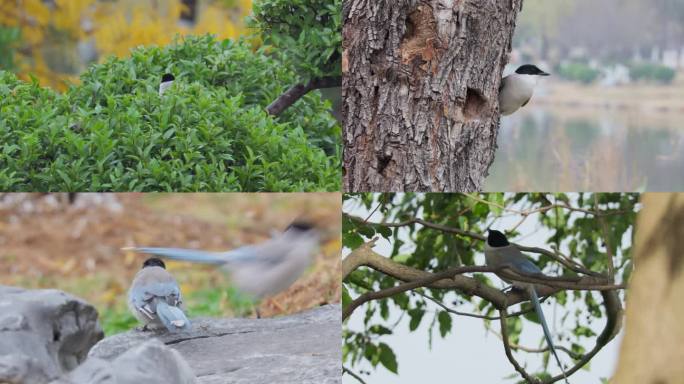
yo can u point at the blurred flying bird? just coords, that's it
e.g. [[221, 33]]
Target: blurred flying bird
[[258, 270]]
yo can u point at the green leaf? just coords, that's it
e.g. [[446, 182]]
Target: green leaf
[[387, 358], [416, 317], [444, 323]]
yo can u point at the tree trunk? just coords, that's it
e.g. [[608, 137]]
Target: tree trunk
[[652, 351], [420, 90]]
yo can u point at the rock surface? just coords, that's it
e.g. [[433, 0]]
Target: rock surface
[[151, 363], [300, 348], [43, 334]]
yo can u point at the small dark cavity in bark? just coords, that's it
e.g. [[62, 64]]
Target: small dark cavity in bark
[[474, 105], [383, 162]]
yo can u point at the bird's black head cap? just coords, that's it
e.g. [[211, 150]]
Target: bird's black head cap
[[167, 77], [299, 225], [496, 239], [154, 262], [530, 69]]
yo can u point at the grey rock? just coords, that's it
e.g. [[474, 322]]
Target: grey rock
[[300, 348], [151, 362], [43, 334]]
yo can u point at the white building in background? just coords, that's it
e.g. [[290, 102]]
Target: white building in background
[[615, 75]]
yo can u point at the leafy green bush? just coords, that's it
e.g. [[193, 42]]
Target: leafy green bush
[[209, 132], [308, 32], [651, 73], [578, 72]]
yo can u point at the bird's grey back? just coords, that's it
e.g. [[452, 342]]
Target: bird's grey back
[[153, 282]]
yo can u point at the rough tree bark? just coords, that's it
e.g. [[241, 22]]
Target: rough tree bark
[[652, 350], [420, 90]]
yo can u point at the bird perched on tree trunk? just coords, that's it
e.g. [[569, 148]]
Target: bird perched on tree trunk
[[517, 88]]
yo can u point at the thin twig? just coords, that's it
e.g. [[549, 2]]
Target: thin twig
[[352, 374], [485, 317], [609, 251]]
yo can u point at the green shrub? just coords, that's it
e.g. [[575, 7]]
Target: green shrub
[[578, 72], [209, 132], [307, 32], [651, 73]]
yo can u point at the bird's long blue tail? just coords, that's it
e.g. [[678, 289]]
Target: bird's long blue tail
[[192, 255], [172, 317], [547, 334]]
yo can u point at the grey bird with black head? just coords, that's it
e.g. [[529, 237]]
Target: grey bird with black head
[[499, 252], [155, 298], [517, 88]]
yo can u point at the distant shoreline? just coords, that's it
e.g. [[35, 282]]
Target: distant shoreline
[[660, 99]]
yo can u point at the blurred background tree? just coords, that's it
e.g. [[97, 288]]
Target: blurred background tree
[[54, 40]]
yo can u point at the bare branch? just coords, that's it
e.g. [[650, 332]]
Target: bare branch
[[298, 91]]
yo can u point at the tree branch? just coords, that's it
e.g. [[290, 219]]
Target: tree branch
[[452, 279], [614, 311], [578, 268], [298, 91], [507, 349], [422, 282]]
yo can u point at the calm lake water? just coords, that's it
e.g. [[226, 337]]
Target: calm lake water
[[564, 149]]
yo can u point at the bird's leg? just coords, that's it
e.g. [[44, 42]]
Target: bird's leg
[[144, 328]]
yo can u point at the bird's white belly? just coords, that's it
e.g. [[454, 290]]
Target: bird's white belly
[[516, 91]]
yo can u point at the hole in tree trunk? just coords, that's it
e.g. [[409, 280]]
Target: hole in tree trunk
[[383, 162], [410, 29], [474, 104]]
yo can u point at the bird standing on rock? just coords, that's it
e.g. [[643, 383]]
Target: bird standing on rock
[[155, 298]]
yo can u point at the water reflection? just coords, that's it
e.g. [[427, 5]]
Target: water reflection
[[564, 149]]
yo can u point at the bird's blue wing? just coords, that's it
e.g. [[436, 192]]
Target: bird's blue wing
[[526, 267]]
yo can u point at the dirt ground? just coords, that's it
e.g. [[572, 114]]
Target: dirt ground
[[48, 242]]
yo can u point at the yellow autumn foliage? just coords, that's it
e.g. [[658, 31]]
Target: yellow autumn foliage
[[52, 32]]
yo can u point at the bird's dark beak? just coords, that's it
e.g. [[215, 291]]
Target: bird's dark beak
[[544, 74]]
